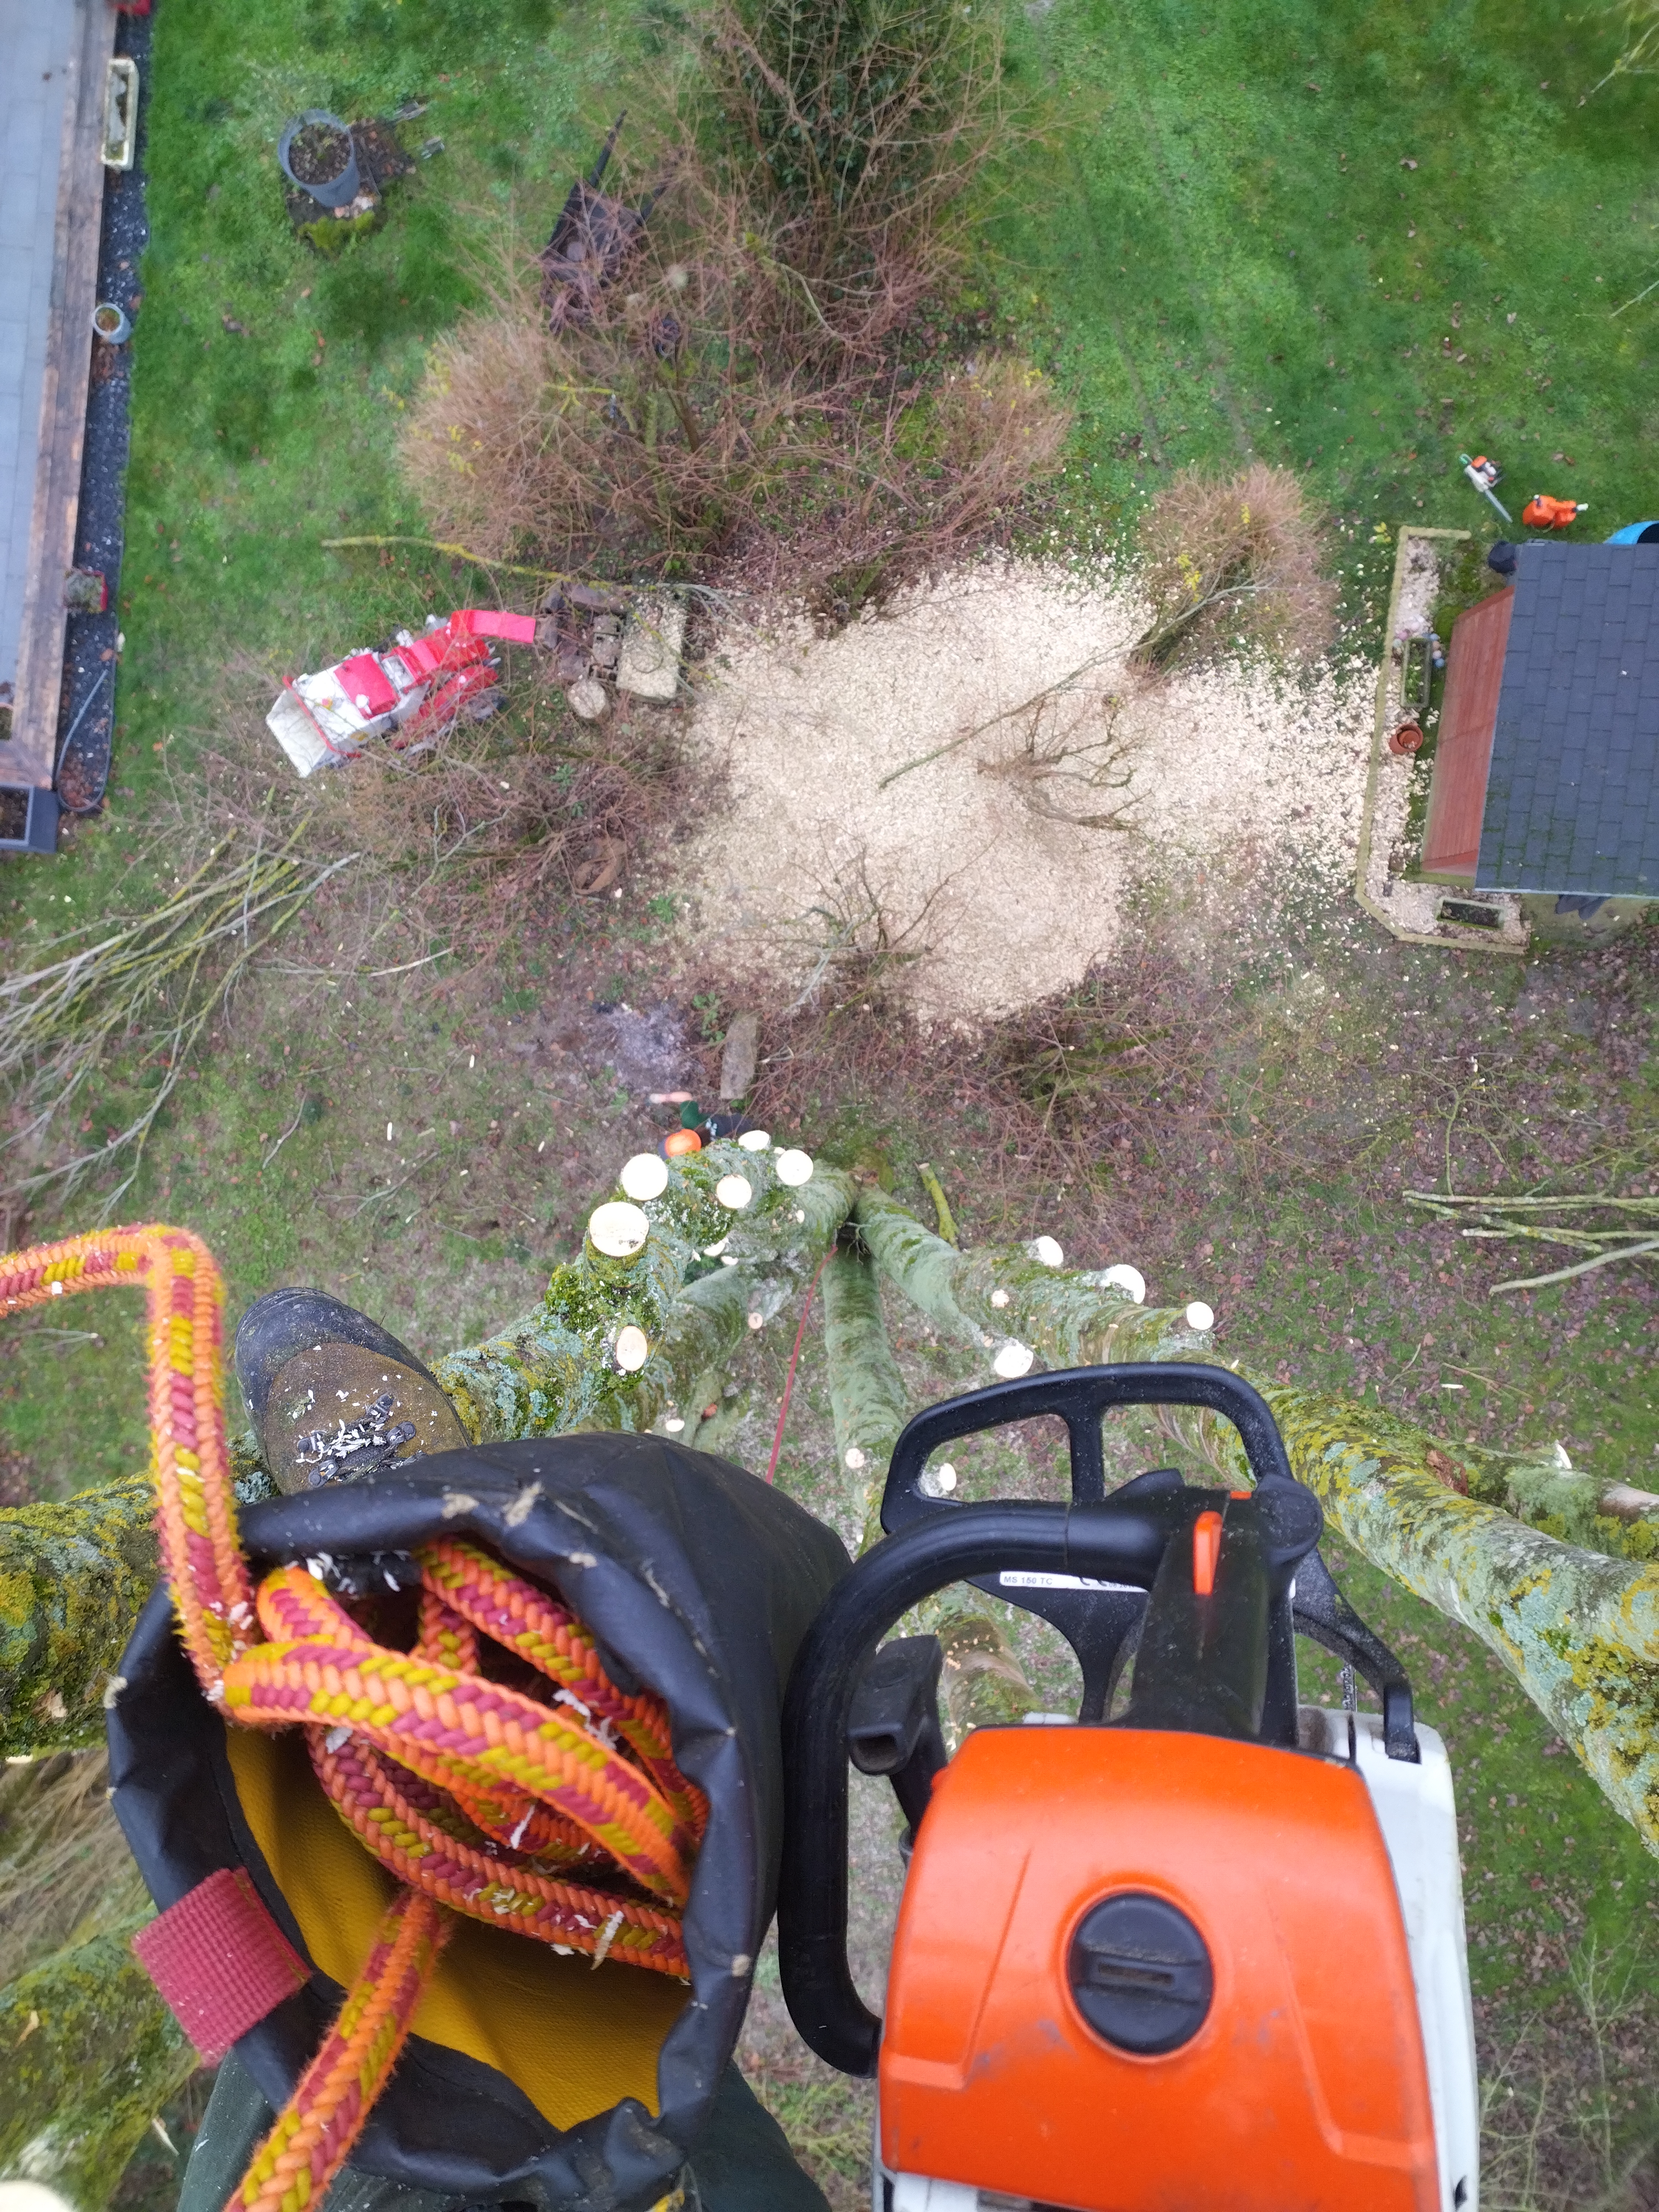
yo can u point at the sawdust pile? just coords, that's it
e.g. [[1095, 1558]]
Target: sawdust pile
[[1228, 794]]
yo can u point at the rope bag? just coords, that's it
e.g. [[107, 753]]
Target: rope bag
[[563, 1817]]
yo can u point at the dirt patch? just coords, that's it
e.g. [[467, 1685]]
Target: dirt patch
[[1056, 789]]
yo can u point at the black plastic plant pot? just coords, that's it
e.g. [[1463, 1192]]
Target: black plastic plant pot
[[338, 190], [28, 818]]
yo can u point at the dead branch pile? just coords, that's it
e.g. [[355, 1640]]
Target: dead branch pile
[[554, 816], [146, 989], [1602, 1226]]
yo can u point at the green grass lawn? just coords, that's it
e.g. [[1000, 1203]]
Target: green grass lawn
[[1228, 256], [1214, 245]]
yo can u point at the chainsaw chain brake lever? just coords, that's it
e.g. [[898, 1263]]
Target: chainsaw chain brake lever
[[1322, 1615]]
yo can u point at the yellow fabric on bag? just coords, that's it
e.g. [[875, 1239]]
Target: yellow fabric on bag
[[574, 2038]]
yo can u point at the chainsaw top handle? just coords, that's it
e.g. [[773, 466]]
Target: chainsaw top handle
[[1078, 1396], [1217, 1654]]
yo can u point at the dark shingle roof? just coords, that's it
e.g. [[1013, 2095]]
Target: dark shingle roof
[[1573, 799]]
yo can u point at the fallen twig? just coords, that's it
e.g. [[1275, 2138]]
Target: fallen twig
[[58, 1021], [1494, 1222]]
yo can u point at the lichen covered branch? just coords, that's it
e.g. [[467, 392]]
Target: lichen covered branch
[[91, 2056]]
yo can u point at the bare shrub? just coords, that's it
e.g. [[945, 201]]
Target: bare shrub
[[630, 437], [1233, 565], [1001, 430], [682, 420], [857, 127]]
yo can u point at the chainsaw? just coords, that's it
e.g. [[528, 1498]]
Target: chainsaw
[[1200, 1946]]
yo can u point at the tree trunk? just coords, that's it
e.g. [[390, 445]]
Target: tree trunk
[[91, 2056], [72, 1580], [1008, 1295]]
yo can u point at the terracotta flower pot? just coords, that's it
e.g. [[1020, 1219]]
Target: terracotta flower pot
[[1407, 739]]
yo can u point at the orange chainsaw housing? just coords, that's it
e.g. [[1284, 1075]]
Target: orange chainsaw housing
[[1305, 2087]]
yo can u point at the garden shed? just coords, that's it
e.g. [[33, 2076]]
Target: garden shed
[[1546, 764]]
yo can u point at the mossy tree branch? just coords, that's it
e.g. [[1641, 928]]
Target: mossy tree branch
[[91, 2056]]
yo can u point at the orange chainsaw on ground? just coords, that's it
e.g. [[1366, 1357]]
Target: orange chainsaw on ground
[[1200, 1949]]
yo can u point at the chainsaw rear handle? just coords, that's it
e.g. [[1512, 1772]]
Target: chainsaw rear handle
[[1078, 1396], [1124, 1539]]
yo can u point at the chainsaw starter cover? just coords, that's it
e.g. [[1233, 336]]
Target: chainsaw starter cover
[[1138, 1968]]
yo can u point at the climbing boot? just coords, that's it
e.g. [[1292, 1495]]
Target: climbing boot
[[332, 1396]]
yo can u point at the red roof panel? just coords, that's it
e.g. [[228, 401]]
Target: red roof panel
[[1462, 752]]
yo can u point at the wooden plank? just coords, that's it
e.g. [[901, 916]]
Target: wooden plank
[[30, 756], [1462, 751]]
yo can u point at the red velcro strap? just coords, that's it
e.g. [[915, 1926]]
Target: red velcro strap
[[220, 1961]]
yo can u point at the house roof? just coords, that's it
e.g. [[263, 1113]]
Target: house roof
[[1572, 797]]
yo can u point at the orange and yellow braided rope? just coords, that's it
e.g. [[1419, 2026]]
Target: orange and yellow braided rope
[[476, 1796]]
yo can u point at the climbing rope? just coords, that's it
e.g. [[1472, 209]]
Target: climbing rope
[[565, 1820]]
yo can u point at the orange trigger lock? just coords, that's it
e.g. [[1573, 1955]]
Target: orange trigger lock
[[1207, 1550]]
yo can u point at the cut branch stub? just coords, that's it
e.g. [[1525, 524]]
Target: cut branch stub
[[558, 1367]]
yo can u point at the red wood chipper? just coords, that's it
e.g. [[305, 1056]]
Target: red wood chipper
[[407, 692]]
